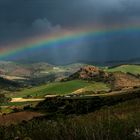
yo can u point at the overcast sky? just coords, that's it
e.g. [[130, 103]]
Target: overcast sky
[[21, 19]]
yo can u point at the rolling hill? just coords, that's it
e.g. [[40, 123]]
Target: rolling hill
[[87, 79], [81, 78], [116, 79], [36, 73], [134, 69]]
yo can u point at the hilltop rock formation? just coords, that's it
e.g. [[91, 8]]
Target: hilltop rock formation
[[117, 80], [91, 73]]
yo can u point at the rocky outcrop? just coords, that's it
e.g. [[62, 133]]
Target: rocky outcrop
[[91, 73]]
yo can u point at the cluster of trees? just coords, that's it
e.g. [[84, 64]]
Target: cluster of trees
[[85, 104], [4, 99]]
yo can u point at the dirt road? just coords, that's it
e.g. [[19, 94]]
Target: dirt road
[[25, 100]]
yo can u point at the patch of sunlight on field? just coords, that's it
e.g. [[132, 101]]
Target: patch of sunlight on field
[[96, 87], [13, 77]]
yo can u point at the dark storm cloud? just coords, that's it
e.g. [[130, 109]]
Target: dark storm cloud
[[18, 16], [11, 32], [20, 19]]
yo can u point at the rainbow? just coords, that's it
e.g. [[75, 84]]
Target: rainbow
[[62, 38]]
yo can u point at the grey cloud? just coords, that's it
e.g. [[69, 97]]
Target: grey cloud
[[21, 19], [16, 31], [44, 26]]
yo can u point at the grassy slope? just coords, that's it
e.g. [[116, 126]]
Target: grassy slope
[[59, 88], [117, 122], [134, 69]]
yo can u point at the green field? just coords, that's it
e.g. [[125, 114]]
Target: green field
[[59, 88], [97, 86], [134, 69]]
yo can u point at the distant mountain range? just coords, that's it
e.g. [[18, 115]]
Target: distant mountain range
[[111, 63], [90, 62]]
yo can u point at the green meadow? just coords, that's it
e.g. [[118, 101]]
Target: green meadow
[[60, 88], [134, 69]]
